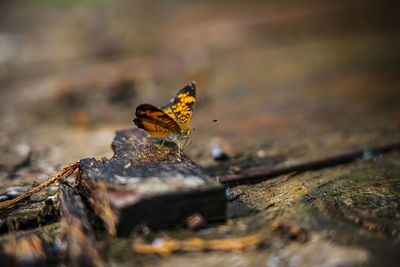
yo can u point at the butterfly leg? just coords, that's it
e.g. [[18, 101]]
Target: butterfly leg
[[179, 150], [188, 145], [161, 143], [184, 145]]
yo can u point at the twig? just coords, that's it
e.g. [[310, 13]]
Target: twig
[[165, 247], [64, 173], [282, 180], [368, 223]]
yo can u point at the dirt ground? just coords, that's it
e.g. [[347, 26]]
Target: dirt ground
[[287, 82]]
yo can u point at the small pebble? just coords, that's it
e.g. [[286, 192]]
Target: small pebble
[[242, 227], [52, 190], [60, 245], [234, 169], [51, 199], [228, 192], [260, 153], [22, 150], [145, 230], [218, 154], [232, 195], [196, 221], [290, 229], [16, 188], [14, 191]]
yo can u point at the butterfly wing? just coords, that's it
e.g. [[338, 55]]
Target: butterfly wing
[[155, 121], [180, 108], [168, 110]]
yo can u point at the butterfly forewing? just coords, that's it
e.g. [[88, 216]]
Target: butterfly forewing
[[167, 109], [181, 106]]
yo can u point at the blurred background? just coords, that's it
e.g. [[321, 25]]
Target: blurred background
[[289, 76]]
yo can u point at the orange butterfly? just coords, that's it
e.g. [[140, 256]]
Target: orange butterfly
[[170, 121]]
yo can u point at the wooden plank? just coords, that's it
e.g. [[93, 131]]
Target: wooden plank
[[143, 184], [82, 249], [29, 248], [307, 163]]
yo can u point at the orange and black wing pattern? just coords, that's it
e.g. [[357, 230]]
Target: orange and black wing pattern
[[180, 108], [155, 121]]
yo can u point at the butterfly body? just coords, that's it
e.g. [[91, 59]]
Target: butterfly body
[[172, 120]]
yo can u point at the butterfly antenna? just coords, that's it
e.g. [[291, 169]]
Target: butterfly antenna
[[205, 123], [209, 122], [179, 150]]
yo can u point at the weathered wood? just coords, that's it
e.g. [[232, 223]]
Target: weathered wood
[[24, 250], [82, 249], [64, 173], [310, 163], [143, 184], [29, 248], [40, 210]]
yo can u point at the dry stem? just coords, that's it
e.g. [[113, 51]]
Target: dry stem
[[64, 173]]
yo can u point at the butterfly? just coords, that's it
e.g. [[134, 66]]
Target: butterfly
[[170, 121]]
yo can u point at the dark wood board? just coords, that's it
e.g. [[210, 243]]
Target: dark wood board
[[82, 249], [143, 184]]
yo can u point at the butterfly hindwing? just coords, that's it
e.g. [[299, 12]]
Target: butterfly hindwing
[[154, 129], [155, 121]]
